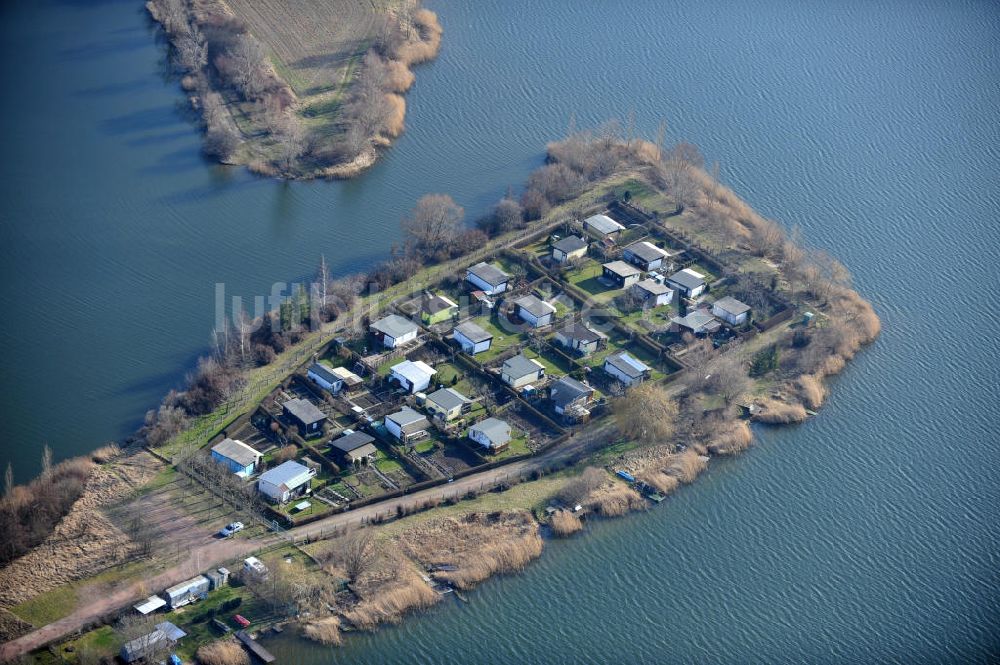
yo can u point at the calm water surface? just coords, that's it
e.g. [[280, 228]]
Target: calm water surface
[[868, 534]]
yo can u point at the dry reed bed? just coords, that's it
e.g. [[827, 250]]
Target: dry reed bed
[[222, 652], [564, 523], [85, 541], [479, 545]]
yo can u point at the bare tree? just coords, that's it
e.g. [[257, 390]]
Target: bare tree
[[355, 552], [248, 62], [646, 414], [433, 223], [579, 488], [8, 480], [726, 375]]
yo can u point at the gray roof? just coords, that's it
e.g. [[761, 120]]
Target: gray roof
[[567, 389], [447, 398], [472, 332], [436, 303], [535, 306], [407, 418], [687, 278], [627, 364], [646, 251], [304, 411], [654, 287], [520, 366], [324, 372], [170, 630], [731, 305], [579, 332], [237, 451], [622, 269], [284, 474], [694, 320], [570, 244], [496, 430], [603, 224], [489, 273], [395, 326], [352, 441], [143, 646]]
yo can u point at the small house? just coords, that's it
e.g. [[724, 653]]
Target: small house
[[146, 648], [621, 273], [626, 368], [652, 293], [355, 447], [238, 457], [689, 283], [437, 309], [286, 481], [412, 375], [645, 255], [580, 338], [534, 311], [395, 330], [521, 371], [602, 226], [569, 248], [698, 321], [491, 433], [306, 416], [186, 592], [731, 310], [324, 377], [570, 397], [447, 404], [487, 278], [472, 338], [407, 425], [349, 379]]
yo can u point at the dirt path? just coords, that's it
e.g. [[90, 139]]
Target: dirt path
[[221, 551]]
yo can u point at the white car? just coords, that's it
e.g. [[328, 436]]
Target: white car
[[231, 528]]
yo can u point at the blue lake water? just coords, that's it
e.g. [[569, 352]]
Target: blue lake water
[[868, 534]]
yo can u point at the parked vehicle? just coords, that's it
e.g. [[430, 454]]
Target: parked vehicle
[[230, 529]]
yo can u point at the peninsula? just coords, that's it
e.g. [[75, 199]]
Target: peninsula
[[380, 441], [296, 89]]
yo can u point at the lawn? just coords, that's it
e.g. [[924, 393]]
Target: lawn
[[555, 365], [587, 278], [47, 607], [502, 340]]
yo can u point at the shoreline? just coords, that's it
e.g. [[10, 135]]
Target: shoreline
[[253, 114], [661, 466]]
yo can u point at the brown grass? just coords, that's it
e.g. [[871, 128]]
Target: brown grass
[[222, 652], [811, 391], [325, 631], [480, 545], [564, 523], [427, 46], [780, 413], [400, 77], [663, 483], [686, 466], [394, 591], [106, 453], [615, 500], [731, 437], [394, 123]]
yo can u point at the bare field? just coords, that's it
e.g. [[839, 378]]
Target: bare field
[[313, 41]]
